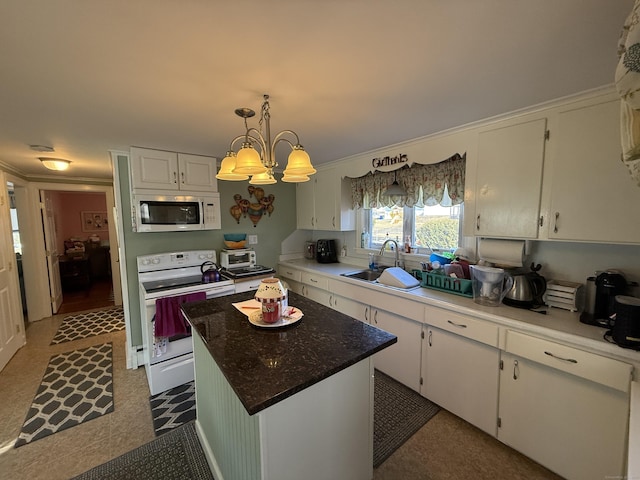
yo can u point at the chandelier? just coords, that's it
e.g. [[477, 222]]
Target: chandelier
[[260, 164]]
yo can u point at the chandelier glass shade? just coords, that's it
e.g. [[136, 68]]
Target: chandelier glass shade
[[256, 157], [57, 164], [226, 169]]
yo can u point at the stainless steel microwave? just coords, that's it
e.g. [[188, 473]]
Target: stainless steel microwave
[[175, 213]]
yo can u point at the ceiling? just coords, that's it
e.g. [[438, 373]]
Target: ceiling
[[348, 76]]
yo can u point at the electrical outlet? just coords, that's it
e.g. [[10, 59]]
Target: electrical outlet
[[253, 239]]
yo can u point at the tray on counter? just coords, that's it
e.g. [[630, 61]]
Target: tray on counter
[[457, 286]]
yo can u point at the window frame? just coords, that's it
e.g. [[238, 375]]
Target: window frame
[[408, 228]]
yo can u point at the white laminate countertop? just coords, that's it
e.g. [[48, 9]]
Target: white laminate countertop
[[557, 325]]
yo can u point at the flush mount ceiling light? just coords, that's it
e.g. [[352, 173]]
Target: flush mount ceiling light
[[57, 164], [260, 164], [395, 188]]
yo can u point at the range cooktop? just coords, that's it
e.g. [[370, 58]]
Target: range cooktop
[[247, 271]]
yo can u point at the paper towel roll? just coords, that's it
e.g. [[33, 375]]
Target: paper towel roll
[[509, 253]]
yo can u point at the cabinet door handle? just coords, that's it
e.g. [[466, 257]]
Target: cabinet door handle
[[175, 177], [555, 225], [570, 360], [478, 222], [516, 370], [375, 317], [459, 325], [430, 338], [333, 222], [182, 176], [366, 314], [541, 221]]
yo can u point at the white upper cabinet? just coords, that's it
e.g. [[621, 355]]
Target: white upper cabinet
[[161, 170], [324, 203], [592, 196], [305, 204], [509, 179]]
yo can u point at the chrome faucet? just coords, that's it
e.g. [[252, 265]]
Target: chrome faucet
[[397, 261]]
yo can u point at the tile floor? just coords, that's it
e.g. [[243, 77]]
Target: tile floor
[[445, 448], [73, 451]]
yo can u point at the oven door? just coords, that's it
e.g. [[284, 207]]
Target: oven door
[[155, 353]]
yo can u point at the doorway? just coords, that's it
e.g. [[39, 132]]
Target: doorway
[[45, 226], [76, 228]]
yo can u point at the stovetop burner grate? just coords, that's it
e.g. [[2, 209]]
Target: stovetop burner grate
[[247, 271]]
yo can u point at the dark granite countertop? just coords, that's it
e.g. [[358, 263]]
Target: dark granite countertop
[[267, 365]]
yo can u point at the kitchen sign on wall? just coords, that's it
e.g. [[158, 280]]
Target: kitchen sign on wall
[[387, 161]]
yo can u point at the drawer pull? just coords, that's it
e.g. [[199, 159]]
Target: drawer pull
[[516, 370], [459, 325], [313, 280], [430, 338], [570, 360]]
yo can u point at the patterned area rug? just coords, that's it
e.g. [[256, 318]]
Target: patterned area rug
[[77, 386], [399, 412], [83, 325], [173, 408], [177, 455]]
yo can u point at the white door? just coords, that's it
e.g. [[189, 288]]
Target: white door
[[11, 321], [53, 263]]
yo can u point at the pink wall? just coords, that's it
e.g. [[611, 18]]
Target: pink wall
[[68, 208]]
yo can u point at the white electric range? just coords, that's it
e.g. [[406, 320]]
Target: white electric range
[[169, 362]]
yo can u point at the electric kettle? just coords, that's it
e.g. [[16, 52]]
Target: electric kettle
[[211, 274], [527, 289]]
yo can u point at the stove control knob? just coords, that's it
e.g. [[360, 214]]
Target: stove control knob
[[146, 261], [155, 261]]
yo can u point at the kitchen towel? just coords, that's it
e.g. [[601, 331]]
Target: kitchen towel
[[508, 253], [168, 318]]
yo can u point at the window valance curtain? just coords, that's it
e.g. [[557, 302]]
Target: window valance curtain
[[425, 185]]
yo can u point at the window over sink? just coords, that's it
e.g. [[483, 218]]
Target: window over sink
[[427, 227]]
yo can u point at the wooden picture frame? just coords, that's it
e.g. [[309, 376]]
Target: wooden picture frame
[[94, 221]]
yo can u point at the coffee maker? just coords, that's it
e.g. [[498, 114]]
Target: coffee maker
[[608, 284], [326, 251]]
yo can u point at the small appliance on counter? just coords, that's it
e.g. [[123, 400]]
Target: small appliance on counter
[[601, 305], [626, 325], [326, 251], [527, 290], [310, 250]]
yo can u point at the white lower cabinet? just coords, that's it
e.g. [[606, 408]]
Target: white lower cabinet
[[310, 285], [402, 359], [565, 408], [460, 366]]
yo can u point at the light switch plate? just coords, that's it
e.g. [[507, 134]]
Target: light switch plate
[[253, 239]]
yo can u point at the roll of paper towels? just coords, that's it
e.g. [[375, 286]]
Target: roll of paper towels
[[509, 253]]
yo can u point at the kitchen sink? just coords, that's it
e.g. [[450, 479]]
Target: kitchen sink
[[366, 275]]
